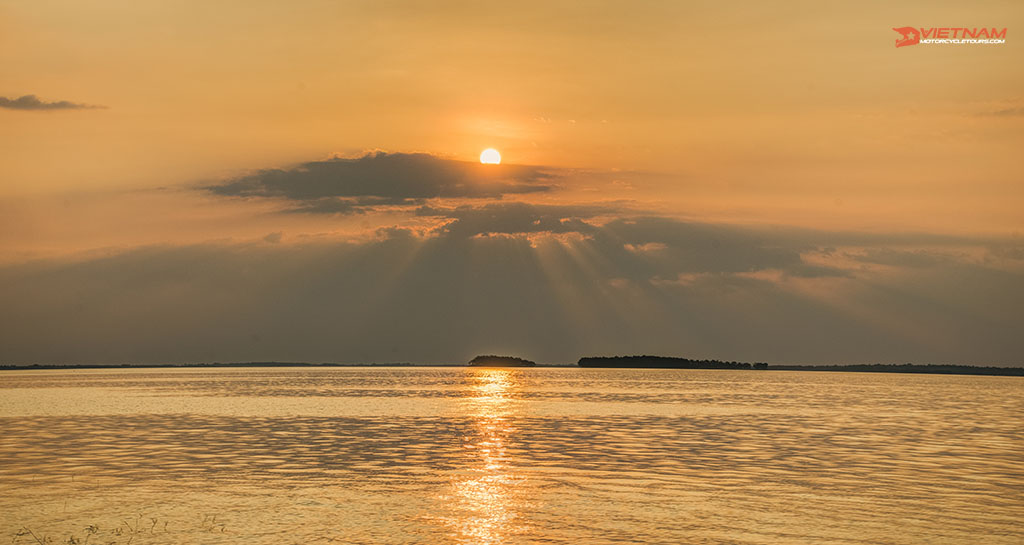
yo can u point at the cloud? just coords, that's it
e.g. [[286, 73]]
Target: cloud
[[1007, 112], [32, 102], [1007, 250], [903, 258], [692, 289], [515, 218], [683, 247], [643, 247], [329, 205], [347, 186], [468, 267]]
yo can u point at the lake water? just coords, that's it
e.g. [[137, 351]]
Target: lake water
[[487, 456]]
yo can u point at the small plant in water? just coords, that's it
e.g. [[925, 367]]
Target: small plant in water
[[136, 529], [210, 524], [90, 531], [25, 531], [124, 534]]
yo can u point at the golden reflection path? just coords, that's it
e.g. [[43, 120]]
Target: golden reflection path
[[486, 499]]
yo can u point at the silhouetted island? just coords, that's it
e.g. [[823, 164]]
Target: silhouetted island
[[500, 361], [664, 362]]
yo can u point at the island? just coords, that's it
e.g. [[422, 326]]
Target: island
[[500, 361], [665, 362]]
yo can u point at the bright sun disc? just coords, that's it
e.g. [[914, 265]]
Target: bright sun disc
[[490, 156]]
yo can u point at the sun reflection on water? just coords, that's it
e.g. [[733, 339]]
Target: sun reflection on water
[[485, 499]]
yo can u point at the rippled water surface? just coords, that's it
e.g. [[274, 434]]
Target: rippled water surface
[[488, 456]]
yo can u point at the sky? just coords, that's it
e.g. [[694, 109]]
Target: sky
[[299, 181]]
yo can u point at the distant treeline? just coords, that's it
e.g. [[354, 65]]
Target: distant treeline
[[10, 367], [908, 368], [664, 362]]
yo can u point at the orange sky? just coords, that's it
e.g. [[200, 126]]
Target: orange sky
[[760, 115], [803, 113]]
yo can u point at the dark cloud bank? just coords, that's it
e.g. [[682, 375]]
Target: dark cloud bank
[[550, 283], [32, 102], [346, 186]]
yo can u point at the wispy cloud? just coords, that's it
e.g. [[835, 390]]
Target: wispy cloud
[[1008, 112], [32, 102]]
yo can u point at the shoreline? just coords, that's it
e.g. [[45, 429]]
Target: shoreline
[[917, 369]]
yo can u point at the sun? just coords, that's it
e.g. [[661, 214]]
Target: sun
[[490, 156]]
